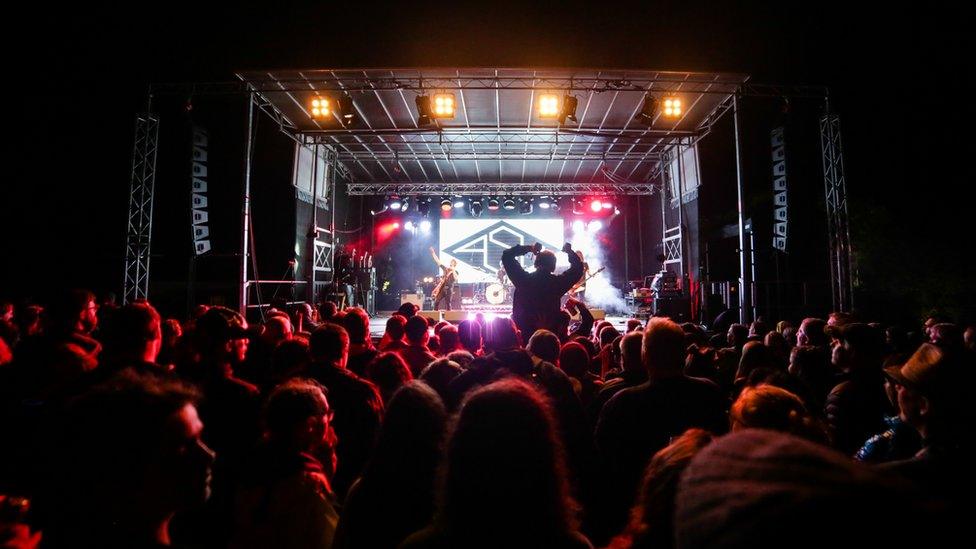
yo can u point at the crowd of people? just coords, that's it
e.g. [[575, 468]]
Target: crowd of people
[[125, 429]]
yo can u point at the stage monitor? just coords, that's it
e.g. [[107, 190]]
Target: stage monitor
[[477, 244]]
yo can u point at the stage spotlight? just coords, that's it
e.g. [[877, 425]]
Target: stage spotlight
[[396, 224], [596, 205], [554, 205], [577, 206], [569, 109], [648, 110], [548, 105], [672, 107], [425, 226], [458, 202], [492, 205], [423, 110], [544, 203], [476, 208], [424, 208], [347, 110], [446, 205], [409, 226], [509, 204], [594, 226], [607, 205], [578, 226], [321, 108], [404, 205], [395, 203], [443, 105], [525, 207]]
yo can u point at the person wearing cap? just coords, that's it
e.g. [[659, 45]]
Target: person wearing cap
[[856, 407], [933, 387], [231, 407]]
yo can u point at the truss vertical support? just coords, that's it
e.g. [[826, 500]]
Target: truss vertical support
[[745, 280], [246, 209], [135, 284], [838, 228], [672, 238]]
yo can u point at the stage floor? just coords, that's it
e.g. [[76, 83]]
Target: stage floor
[[377, 324]]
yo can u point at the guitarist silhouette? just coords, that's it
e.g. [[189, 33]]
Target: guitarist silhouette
[[444, 288]]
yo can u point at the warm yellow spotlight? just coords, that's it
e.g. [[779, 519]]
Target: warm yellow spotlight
[[443, 105], [321, 108], [672, 107], [548, 105]]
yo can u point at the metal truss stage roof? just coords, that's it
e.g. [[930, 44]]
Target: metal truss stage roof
[[496, 136]]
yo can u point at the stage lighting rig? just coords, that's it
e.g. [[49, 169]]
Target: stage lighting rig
[[424, 115], [548, 105], [395, 203], [446, 205], [596, 206], [525, 207], [476, 207], [672, 107], [570, 102], [347, 111], [648, 110], [458, 202], [509, 204], [321, 108], [493, 205], [443, 105]]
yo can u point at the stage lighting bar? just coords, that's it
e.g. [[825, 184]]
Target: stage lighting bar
[[548, 105], [443, 105], [321, 108], [672, 107]]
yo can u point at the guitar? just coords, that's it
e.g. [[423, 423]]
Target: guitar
[[581, 283], [436, 293]]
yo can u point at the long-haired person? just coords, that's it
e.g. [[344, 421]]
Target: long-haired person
[[504, 479]]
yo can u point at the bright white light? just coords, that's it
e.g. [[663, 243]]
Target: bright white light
[[425, 226], [409, 226], [490, 316], [544, 204], [596, 205], [607, 205], [594, 226], [472, 316], [578, 226], [459, 203]]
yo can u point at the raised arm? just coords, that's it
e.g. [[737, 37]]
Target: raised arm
[[572, 275], [513, 269], [437, 260]]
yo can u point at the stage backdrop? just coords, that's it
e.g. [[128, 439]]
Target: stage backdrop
[[477, 244]]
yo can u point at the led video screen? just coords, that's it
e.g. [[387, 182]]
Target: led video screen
[[477, 244]]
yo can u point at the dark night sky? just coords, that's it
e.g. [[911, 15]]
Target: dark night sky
[[901, 80]]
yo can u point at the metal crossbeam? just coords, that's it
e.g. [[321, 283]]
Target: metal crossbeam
[[513, 189], [838, 231], [135, 284]]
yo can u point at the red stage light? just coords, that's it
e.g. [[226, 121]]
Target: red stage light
[[596, 205], [396, 225]]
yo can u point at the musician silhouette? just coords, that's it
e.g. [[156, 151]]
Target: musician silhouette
[[445, 288]]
